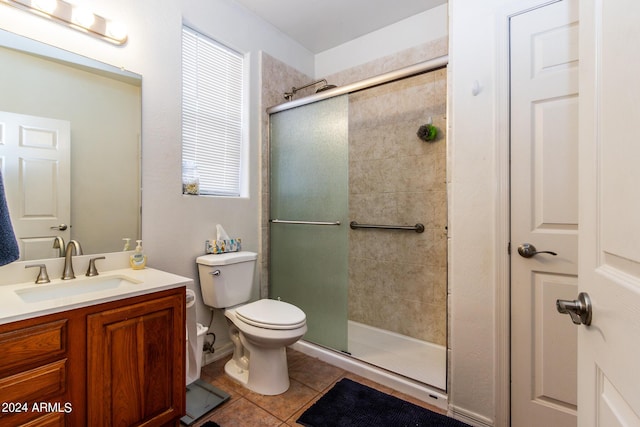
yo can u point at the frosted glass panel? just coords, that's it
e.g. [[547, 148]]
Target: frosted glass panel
[[309, 182]]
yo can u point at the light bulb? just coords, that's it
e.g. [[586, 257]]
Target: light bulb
[[83, 17], [46, 6], [116, 30]]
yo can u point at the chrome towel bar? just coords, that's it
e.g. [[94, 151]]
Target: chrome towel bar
[[284, 221], [418, 228]]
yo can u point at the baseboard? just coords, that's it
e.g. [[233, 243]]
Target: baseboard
[[469, 417], [402, 384]]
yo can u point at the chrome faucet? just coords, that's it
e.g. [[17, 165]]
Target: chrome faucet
[[78, 247], [58, 243], [73, 248]]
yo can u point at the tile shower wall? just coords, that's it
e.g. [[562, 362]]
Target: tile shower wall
[[397, 279]]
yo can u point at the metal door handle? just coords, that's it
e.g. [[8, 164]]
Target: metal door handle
[[60, 227], [527, 250], [286, 221], [579, 309]]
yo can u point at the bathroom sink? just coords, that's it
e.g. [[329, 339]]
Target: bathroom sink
[[74, 287]]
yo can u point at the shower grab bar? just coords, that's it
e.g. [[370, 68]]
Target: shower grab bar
[[284, 221], [418, 228]]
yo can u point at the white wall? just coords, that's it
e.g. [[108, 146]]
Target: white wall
[[472, 188], [472, 211], [416, 30]]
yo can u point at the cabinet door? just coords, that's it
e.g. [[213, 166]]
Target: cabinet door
[[135, 364]]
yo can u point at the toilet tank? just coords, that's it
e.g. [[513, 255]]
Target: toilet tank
[[226, 279]]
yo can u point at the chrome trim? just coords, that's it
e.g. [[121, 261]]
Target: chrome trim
[[418, 228], [419, 68], [285, 221], [580, 310]]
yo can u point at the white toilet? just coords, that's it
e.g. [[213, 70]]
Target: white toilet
[[260, 330]]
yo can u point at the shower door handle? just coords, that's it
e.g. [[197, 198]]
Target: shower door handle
[[286, 221]]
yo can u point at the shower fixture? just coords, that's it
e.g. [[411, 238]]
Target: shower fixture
[[289, 95]]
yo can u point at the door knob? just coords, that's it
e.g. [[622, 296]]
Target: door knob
[[527, 250], [579, 309], [60, 227]]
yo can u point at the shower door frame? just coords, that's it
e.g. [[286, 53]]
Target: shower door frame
[[419, 68], [414, 70]]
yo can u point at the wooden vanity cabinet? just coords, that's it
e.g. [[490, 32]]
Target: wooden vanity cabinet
[[36, 375], [120, 363], [135, 375]]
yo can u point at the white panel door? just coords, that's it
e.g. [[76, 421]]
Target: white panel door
[[609, 349], [544, 213], [35, 157]]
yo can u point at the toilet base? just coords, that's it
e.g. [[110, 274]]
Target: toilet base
[[240, 375], [268, 374]]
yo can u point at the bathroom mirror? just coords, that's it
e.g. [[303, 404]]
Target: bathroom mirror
[[70, 148]]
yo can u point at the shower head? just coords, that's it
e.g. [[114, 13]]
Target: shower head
[[325, 87], [289, 95]]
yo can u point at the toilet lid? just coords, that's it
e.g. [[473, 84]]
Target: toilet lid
[[271, 314]]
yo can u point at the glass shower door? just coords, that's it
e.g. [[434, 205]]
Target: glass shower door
[[309, 216]]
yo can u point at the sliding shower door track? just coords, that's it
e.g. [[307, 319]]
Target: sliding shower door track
[[419, 68]]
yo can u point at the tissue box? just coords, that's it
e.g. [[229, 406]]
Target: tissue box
[[222, 246]]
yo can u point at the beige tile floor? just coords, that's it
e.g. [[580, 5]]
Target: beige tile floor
[[310, 379]]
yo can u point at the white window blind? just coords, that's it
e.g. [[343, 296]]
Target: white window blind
[[212, 119]]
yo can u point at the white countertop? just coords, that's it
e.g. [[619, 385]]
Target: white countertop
[[148, 280]]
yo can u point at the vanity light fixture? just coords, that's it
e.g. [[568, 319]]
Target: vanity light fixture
[[46, 6], [83, 17], [76, 17]]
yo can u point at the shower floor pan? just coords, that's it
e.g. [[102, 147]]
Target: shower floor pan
[[412, 358]]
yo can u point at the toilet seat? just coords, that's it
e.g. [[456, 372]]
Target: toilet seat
[[271, 314]]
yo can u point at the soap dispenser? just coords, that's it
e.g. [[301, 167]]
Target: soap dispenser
[[138, 259]]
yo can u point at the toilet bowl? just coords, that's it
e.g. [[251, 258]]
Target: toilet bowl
[[259, 330], [259, 358]]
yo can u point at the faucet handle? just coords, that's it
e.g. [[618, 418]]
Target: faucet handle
[[42, 277], [92, 270]]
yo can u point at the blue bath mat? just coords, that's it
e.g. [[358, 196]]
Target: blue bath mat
[[351, 404]]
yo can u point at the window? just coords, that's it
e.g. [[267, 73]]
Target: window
[[212, 113]]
